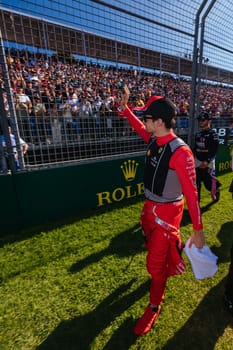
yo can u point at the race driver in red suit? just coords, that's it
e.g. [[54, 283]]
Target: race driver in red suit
[[169, 173]]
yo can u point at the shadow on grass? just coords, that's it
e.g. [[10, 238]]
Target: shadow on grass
[[205, 326], [186, 220], [81, 332], [26, 233], [209, 320], [127, 243], [208, 206], [225, 236]]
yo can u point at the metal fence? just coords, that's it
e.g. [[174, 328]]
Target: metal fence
[[60, 83]]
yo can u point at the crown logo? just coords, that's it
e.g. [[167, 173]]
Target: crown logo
[[129, 169]]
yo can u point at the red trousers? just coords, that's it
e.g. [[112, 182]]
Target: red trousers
[[160, 224]]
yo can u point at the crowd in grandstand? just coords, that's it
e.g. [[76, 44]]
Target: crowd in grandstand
[[47, 89]]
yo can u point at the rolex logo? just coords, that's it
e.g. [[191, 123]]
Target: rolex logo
[[129, 169]]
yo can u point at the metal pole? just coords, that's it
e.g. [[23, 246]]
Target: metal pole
[[84, 46], [179, 69], [44, 37], [201, 50], [139, 60], [194, 78], [13, 118], [116, 55], [160, 65], [5, 132]]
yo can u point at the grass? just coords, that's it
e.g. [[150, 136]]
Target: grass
[[82, 284]]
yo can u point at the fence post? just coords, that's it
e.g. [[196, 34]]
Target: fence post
[[13, 119], [201, 50], [194, 96], [5, 133]]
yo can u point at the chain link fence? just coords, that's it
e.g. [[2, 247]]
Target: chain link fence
[[61, 76]]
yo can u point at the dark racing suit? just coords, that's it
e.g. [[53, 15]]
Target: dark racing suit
[[169, 172], [205, 150]]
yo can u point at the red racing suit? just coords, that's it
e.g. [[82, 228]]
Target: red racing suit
[[169, 173]]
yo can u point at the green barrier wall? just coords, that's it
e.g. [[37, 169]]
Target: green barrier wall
[[9, 205], [37, 197], [224, 158]]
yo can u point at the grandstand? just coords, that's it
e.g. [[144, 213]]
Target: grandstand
[[76, 75]]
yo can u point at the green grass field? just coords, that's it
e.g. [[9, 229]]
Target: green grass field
[[82, 284]]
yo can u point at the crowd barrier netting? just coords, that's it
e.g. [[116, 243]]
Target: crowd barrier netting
[[61, 76]]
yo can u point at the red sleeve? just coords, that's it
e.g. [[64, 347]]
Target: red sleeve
[[137, 125], [183, 162]]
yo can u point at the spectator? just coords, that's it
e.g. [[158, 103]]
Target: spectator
[[45, 77], [67, 120], [95, 106], [31, 91], [24, 98], [39, 112], [4, 162], [85, 112], [6, 105], [23, 119]]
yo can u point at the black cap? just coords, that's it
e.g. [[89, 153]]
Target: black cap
[[157, 107], [204, 116]]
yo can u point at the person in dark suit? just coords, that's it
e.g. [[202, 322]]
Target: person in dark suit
[[205, 151]]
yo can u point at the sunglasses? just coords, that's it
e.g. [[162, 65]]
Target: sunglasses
[[144, 118]]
